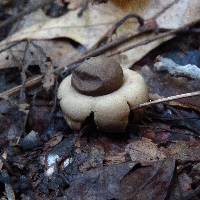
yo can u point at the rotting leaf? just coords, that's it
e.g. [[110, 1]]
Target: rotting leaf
[[94, 160], [176, 117], [144, 150], [183, 151], [12, 121], [159, 133], [100, 184], [113, 150], [115, 159], [148, 182]]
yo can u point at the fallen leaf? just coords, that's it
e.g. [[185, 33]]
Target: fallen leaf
[[100, 184], [183, 151], [144, 150], [148, 182]]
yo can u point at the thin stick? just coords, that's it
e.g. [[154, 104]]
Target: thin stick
[[140, 21], [183, 28], [96, 52], [166, 99], [123, 39], [15, 90], [73, 65], [114, 28]]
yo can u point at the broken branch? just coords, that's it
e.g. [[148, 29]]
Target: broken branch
[[13, 91]]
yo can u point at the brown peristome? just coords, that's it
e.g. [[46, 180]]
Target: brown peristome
[[97, 76]]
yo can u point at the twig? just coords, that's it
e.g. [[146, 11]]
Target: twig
[[114, 28], [183, 28], [73, 65], [18, 16], [142, 23], [139, 19], [123, 39], [166, 99], [96, 52], [147, 41], [13, 91]]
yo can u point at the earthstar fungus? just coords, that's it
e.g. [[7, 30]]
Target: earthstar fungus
[[100, 86]]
